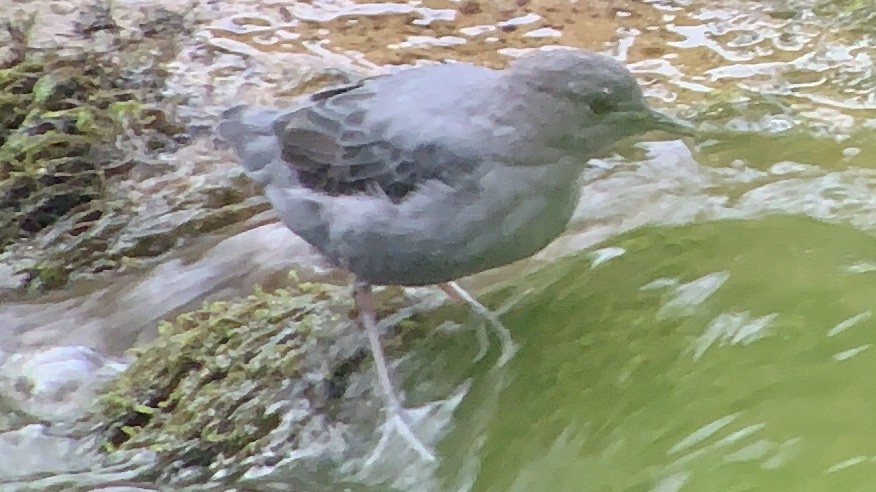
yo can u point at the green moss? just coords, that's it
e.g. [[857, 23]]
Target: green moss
[[72, 124], [214, 391], [53, 128], [211, 390]]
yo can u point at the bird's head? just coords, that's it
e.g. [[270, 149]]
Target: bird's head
[[599, 93]]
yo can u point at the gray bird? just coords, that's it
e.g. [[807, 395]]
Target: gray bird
[[439, 172]]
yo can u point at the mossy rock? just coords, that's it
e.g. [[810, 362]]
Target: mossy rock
[[241, 385], [73, 124], [49, 132], [59, 123]]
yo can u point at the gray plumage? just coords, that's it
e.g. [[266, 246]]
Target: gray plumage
[[440, 172]]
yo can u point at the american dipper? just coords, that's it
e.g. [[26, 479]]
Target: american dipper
[[438, 172]]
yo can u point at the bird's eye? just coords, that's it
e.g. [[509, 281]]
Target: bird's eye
[[600, 105]]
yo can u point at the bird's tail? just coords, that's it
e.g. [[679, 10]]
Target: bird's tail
[[250, 132]]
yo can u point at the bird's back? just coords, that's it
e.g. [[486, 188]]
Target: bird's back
[[429, 174], [387, 135]]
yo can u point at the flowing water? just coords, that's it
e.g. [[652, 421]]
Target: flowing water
[[729, 355], [706, 325]]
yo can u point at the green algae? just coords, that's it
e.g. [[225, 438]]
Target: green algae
[[74, 124], [57, 151], [236, 385]]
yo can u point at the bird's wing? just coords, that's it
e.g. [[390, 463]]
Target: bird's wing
[[334, 147]]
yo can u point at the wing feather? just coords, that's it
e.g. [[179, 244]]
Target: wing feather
[[334, 148]]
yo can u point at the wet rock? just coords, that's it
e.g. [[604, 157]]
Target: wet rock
[[240, 391], [84, 134], [54, 384]]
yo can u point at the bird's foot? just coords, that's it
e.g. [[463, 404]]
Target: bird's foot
[[509, 348], [396, 415], [483, 343], [398, 420]]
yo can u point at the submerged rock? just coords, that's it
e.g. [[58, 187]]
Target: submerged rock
[[243, 390], [85, 128]]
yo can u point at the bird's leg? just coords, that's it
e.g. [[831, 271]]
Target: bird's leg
[[454, 291], [480, 332], [395, 411]]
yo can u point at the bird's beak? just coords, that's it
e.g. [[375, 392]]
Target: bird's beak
[[668, 124]]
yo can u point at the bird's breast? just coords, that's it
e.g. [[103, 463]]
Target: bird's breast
[[443, 233]]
